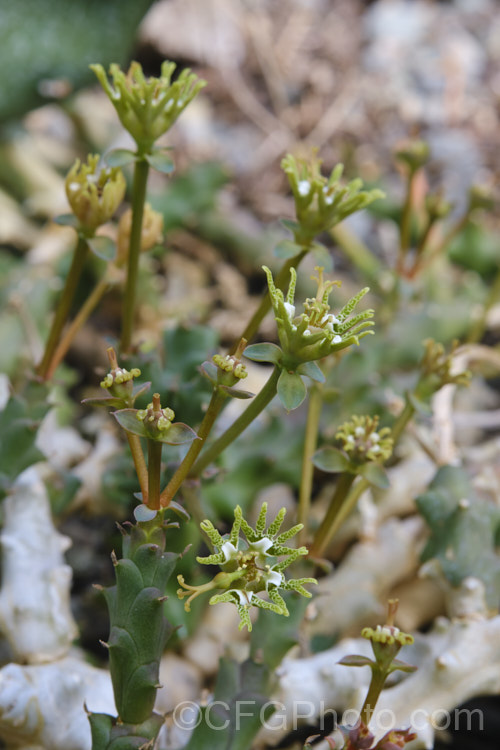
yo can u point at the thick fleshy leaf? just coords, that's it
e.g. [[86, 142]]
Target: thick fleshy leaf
[[127, 419], [140, 388], [109, 401], [178, 434], [119, 157], [263, 353], [375, 474], [179, 510], [293, 226], [103, 247], [160, 161], [143, 514], [209, 371], [67, 220], [291, 390], [287, 249], [331, 459], [236, 392], [356, 660], [402, 666], [312, 371]]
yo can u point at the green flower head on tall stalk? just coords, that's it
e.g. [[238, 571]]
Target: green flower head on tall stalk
[[148, 107], [250, 565]]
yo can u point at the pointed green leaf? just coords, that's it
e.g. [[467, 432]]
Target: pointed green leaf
[[291, 390], [312, 370], [103, 247], [119, 157], [331, 460], [67, 220], [236, 392], [375, 474], [127, 419], [355, 660], [286, 249], [178, 434], [263, 353], [160, 161]]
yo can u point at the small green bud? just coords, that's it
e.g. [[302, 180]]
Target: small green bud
[[481, 197], [438, 367], [156, 420], [148, 107], [415, 154], [93, 194], [437, 207], [119, 381]]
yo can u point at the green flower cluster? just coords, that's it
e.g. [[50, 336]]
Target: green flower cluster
[[250, 566], [304, 338], [94, 194], [362, 441], [148, 107]]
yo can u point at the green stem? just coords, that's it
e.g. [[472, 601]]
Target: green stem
[[479, 326], [310, 443], [154, 474], [329, 525], [376, 686], [139, 463], [214, 407], [405, 226], [401, 422], [357, 252], [265, 305], [258, 404], [80, 319], [435, 251], [64, 306], [138, 198]]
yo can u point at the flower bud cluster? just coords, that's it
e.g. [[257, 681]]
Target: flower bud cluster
[[388, 634], [118, 376], [154, 418], [439, 364], [363, 442], [94, 194], [231, 365]]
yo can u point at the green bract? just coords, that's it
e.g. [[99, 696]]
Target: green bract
[[250, 566], [308, 337], [148, 107]]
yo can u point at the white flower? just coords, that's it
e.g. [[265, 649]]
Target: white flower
[[304, 188]]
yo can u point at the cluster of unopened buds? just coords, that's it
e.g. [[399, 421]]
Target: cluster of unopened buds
[[363, 442], [154, 417], [231, 365], [118, 376], [94, 193]]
